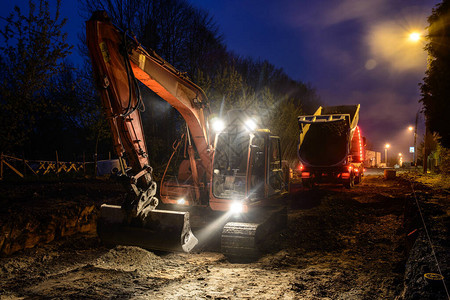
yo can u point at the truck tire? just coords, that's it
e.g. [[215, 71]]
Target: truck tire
[[358, 178], [349, 183]]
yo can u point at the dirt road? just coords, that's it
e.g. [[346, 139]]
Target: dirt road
[[340, 244]]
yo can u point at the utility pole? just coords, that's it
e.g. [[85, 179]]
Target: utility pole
[[415, 139], [426, 147]]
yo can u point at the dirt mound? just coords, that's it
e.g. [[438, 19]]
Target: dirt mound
[[128, 259]]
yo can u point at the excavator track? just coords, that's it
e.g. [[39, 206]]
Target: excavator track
[[239, 241], [246, 241]]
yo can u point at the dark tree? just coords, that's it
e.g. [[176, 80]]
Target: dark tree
[[435, 88], [32, 54]]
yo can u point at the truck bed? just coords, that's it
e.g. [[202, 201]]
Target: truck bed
[[325, 137]]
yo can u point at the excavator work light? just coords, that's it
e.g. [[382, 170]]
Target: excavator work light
[[181, 201], [217, 124], [236, 207], [250, 124]]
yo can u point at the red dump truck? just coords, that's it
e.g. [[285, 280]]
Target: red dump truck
[[331, 147]]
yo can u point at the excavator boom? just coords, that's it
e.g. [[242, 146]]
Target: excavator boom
[[119, 63], [113, 53]]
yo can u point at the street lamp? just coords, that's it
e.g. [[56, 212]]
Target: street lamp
[[386, 147], [414, 128], [411, 128], [415, 36]]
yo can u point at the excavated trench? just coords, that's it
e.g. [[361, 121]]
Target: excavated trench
[[364, 243]]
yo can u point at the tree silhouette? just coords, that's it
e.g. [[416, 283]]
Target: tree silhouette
[[32, 55], [435, 88]]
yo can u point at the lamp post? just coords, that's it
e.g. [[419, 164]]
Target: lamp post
[[415, 37], [414, 130], [386, 147], [411, 128]]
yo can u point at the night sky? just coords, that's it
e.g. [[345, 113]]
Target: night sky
[[351, 51]]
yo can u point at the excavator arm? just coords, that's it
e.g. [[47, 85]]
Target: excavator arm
[[119, 62]]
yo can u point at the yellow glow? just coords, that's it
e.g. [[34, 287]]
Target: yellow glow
[[400, 154], [387, 146], [390, 45], [410, 128], [414, 36]]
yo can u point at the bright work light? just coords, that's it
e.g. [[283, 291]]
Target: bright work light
[[237, 207], [250, 124], [217, 124]]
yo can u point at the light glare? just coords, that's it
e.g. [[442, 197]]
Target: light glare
[[236, 207], [414, 36], [217, 124], [250, 124], [390, 45]]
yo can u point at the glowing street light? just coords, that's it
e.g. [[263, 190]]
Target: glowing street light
[[386, 147], [400, 159], [414, 36]]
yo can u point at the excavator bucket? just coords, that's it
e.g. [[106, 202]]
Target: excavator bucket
[[162, 229]]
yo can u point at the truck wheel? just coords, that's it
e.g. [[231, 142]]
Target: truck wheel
[[358, 178], [349, 183]]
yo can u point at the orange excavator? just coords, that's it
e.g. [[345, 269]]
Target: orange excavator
[[231, 182]]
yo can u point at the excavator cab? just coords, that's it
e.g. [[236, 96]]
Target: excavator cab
[[247, 166], [248, 185]]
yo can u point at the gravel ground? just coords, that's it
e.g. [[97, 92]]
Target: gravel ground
[[339, 244]]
